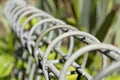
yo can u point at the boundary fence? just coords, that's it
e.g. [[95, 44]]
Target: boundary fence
[[43, 42]]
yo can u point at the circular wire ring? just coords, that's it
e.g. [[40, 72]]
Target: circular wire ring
[[83, 51], [47, 31], [16, 16], [37, 25], [30, 18], [21, 17], [55, 41]]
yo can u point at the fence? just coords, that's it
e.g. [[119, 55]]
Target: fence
[[44, 38]]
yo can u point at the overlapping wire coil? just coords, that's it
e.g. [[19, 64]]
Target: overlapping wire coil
[[44, 41]]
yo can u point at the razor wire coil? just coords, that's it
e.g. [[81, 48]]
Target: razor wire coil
[[52, 32]]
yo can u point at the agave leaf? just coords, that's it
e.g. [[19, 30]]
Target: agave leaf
[[117, 38], [117, 31], [92, 20], [110, 6], [61, 10], [46, 7], [38, 3], [85, 13], [114, 29], [101, 6], [51, 3], [105, 26], [77, 6]]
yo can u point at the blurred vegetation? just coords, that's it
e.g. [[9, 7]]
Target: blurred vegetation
[[6, 47], [98, 17]]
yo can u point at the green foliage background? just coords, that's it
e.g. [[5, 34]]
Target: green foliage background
[[98, 17]]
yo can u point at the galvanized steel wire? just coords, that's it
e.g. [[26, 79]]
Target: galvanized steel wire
[[51, 32]]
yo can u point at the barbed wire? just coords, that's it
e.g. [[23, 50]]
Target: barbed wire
[[51, 33]]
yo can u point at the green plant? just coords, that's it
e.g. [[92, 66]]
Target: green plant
[[6, 48], [98, 17], [93, 16]]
